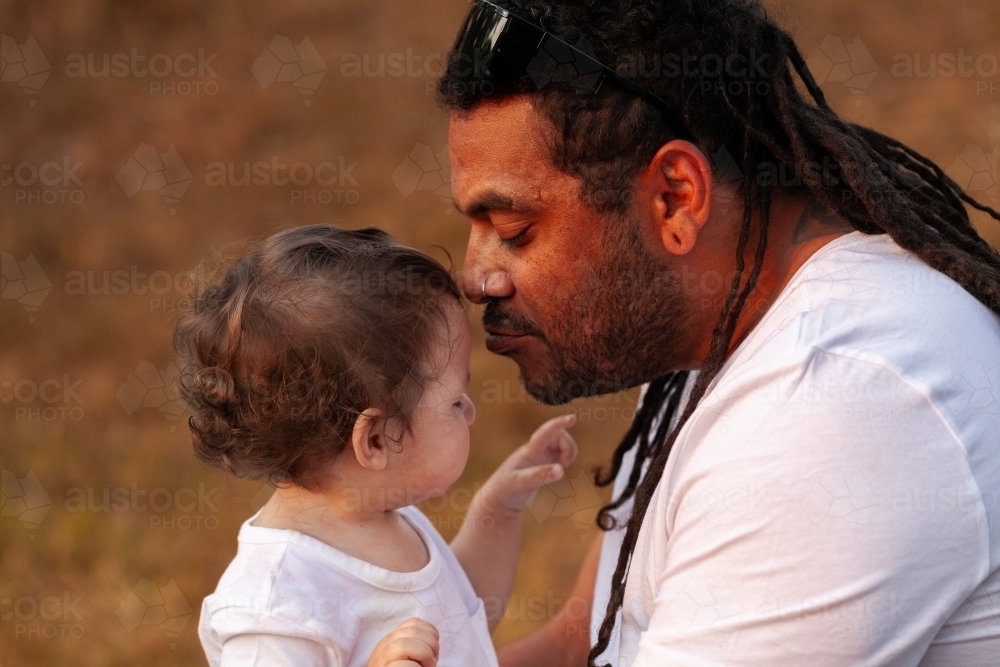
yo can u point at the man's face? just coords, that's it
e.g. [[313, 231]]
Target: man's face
[[579, 298]]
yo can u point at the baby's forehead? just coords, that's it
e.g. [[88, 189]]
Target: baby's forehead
[[453, 329], [450, 362], [449, 350], [450, 337]]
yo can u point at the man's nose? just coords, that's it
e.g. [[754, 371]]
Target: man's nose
[[484, 276]]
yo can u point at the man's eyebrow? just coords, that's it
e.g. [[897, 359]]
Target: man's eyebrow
[[491, 202]]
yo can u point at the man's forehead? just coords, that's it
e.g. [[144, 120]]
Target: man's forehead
[[507, 133], [501, 158]]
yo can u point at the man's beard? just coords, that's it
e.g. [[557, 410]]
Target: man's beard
[[613, 331]]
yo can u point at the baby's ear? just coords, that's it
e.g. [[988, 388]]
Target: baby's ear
[[368, 440]]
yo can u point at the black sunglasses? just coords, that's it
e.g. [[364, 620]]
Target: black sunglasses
[[495, 47]]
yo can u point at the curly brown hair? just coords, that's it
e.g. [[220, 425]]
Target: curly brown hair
[[314, 326]]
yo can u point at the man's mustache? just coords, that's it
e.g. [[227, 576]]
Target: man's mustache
[[496, 316]]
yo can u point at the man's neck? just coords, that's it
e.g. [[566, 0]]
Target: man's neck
[[799, 226]]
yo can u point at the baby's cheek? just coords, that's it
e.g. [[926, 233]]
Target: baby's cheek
[[440, 465], [458, 457]]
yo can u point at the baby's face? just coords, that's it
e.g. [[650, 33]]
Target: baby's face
[[436, 449]]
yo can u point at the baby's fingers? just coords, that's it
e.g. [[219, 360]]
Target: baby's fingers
[[525, 482], [419, 630], [566, 449], [551, 442], [414, 643], [409, 651]]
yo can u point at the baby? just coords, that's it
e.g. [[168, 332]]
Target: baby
[[334, 363]]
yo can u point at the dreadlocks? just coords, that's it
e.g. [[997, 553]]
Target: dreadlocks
[[756, 114]]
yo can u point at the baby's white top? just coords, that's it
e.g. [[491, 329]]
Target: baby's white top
[[289, 599]]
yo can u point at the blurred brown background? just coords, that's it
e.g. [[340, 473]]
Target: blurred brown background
[[118, 179]]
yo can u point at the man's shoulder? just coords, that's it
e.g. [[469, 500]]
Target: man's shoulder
[[870, 287], [868, 300], [868, 333]]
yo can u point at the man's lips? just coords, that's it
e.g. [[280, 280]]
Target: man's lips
[[501, 342]]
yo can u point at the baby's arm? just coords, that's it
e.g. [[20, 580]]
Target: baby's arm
[[488, 541]]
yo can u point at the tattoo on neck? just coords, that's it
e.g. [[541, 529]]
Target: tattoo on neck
[[817, 221]]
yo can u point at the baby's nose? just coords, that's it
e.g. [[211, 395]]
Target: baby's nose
[[470, 411]]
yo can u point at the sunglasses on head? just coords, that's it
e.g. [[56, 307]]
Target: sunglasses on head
[[496, 47]]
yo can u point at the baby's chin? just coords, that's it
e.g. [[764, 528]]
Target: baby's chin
[[441, 494]]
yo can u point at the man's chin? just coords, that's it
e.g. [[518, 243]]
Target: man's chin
[[536, 375], [546, 387], [548, 383], [552, 388]]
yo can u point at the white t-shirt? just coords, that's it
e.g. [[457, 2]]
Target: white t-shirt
[[608, 559], [289, 599], [611, 543], [835, 498]]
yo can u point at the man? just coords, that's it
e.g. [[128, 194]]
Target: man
[[650, 194]]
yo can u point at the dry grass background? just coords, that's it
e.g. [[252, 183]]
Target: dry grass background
[[71, 587]]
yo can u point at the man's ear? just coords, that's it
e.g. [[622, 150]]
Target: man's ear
[[678, 188], [368, 440]]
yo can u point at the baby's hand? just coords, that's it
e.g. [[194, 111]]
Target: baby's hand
[[413, 644], [542, 460]]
